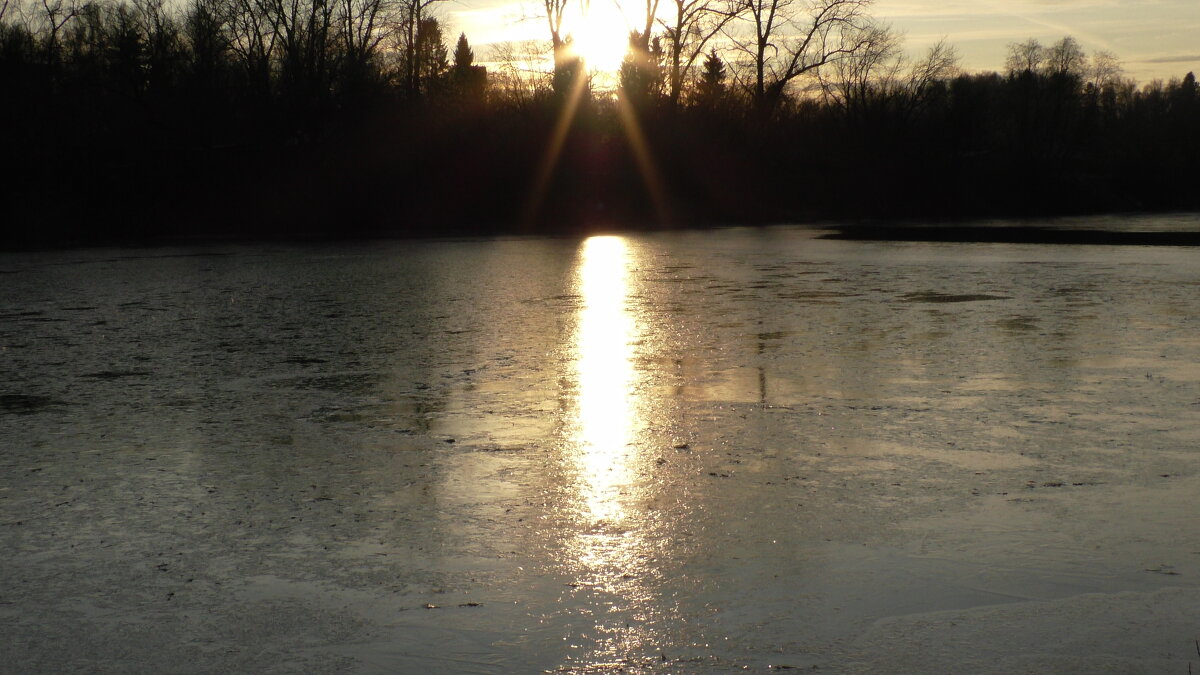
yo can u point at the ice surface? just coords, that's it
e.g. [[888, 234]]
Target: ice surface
[[682, 452]]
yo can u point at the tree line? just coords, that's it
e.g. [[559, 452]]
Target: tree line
[[141, 119]]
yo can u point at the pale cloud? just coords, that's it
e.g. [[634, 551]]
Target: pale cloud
[[1138, 31], [1184, 58], [499, 22], [978, 9]]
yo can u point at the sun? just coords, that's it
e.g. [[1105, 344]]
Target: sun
[[600, 36]]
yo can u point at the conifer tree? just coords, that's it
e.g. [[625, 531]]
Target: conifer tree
[[711, 87], [641, 73], [464, 56]]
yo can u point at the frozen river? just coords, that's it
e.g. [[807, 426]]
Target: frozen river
[[683, 452]]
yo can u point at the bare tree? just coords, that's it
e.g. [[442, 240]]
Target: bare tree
[[790, 38], [414, 14], [1106, 82], [362, 26], [1106, 69], [204, 31], [939, 64], [1025, 57], [1066, 58], [640, 39], [555, 13], [692, 24], [55, 15], [92, 40], [7, 6], [518, 76], [565, 64], [207, 64], [251, 34], [879, 77], [303, 31], [865, 77], [641, 71], [164, 47]]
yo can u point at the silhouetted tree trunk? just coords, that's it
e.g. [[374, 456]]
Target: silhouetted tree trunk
[[304, 30], [566, 65], [126, 53], [362, 26], [206, 80], [252, 38], [640, 39], [56, 14], [163, 45], [415, 14], [204, 34]]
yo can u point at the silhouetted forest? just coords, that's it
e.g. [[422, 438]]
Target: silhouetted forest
[[232, 118]]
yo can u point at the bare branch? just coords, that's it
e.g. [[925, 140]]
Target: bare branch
[[790, 38]]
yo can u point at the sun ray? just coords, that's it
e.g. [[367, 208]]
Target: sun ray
[[557, 139], [645, 161]]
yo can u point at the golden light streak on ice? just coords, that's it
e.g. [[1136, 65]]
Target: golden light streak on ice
[[611, 553], [604, 368]]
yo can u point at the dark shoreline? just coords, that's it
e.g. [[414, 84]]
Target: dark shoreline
[[1059, 230], [1021, 234]]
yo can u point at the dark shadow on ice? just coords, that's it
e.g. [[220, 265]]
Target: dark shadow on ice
[[20, 404]]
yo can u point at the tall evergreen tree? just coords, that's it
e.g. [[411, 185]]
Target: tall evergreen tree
[[464, 56], [710, 90], [641, 72], [432, 51]]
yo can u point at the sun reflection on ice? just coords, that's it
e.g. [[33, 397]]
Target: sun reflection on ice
[[604, 368], [610, 552], [615, 545]]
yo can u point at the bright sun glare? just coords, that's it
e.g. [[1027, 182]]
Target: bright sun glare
[[605, 370], [600, 35]]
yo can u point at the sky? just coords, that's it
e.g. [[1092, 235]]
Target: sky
[[1152, 38]]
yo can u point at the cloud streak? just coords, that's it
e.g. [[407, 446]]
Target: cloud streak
[[1183, 58]]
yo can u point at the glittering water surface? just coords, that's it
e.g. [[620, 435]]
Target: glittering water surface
[[682, 452]]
